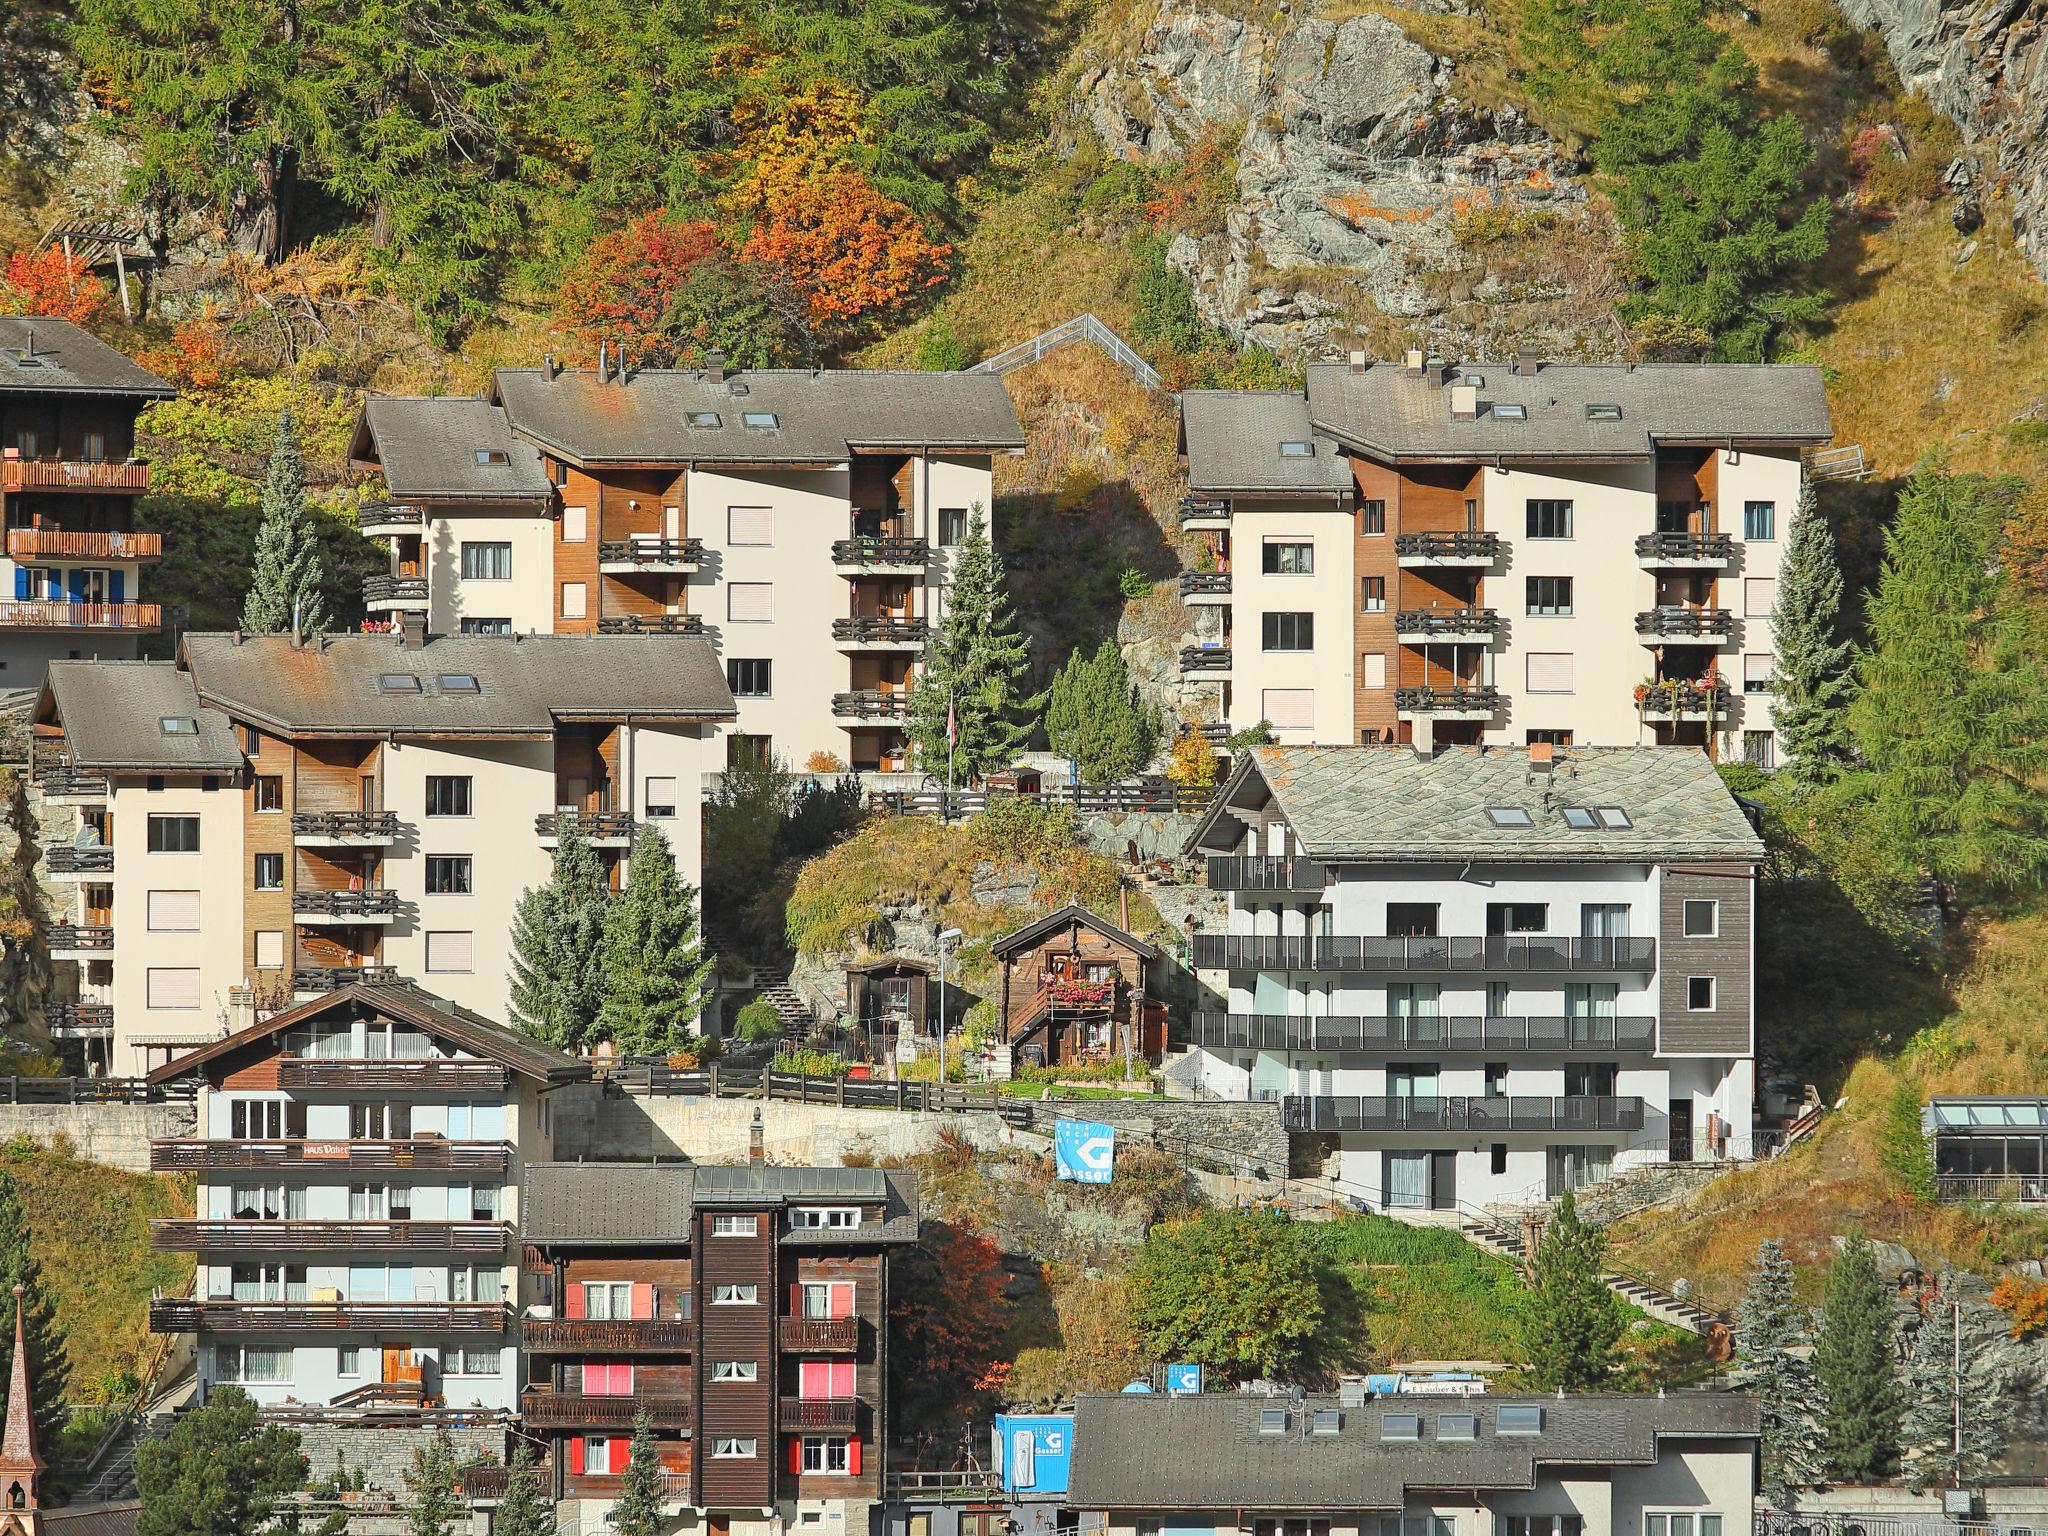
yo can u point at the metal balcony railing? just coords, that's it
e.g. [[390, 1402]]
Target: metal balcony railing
[[1484, 1116], [650, 551], [652, 624], [180, 1315], [1266, 873], [1501, 952], [880, 551], [1656, 548], [64, 859], [289, 1236], [1270, 1031], [1460, 545], [204, 1155]]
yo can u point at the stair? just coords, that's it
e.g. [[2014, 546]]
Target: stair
[[113, 1474], [1653, 1300], [774, 987]]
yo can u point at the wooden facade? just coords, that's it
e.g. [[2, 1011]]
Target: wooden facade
[[1074, 988], [893, 992]]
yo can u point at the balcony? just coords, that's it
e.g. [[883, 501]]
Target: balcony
[[650, 557], [65, 862], [1199, 588], [390, 517], [201, 1155], [257, 1236], [135, 618], [182, 1315], [428, 1076], [129, 479], [872, 704], [1480, 1116], [1425, 550], [1532, 953], [821, 1413], [334, 908], [344, 829], [31, 546], [581, 1410], [821, 1335], [1463, 702], [1204, 512], [1680, 699], [79, 1021], [652, 624], [601, 829], [387, 594], [1205, 658], [876, 557], [1273, 1031], [81, 941], [879, 632], [1684, 551], [1685, 626], [595, 1336], [1422, 626], [1258, 873], [67, 786], [332, 978], [1991, 1188]]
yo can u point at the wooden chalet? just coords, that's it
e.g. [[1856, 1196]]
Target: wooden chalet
[[1074, 989]]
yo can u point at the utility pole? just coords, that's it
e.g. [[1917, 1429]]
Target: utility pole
[[946, 936]]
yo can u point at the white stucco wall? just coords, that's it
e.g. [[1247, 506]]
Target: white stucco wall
[[527, 598], [1330, 669]]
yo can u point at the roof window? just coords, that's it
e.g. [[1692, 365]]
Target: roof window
[[178, 725], [1509, 816], [1578, 816], [459, 682], [1602, 410], [1294, 449], [1613, 817], [1519, 1419], [23, 358], [1400, 1426], [1457, 1426], [706, 419], [493, 456], [1326, 1421], [1510, 410], [1272, 1421], [397, 682], [760, 418]]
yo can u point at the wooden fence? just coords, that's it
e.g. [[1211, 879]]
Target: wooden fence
[[656, 1078]]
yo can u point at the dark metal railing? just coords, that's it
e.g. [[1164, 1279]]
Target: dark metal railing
[[1509, 952], [651, 551], [259, 1236], [94, 936], [1461, 700], [872, 703], [1461, 545], [1506, 1112], [1678, 621], [880, 551], [652, 624], [375, 903], [1654, 547], [394, 589], [202, 1155], [67, 860], [1348, 1032], [181, 1315], [589, 823], [1266, 873], [344, 824], [1447, 621], [2009, 1188], [1205, 658], [1205, 583], [879, 628]]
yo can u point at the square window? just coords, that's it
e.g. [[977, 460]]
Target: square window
[[172, 912], [1401, 1426], [1518, 1419], [750, 602], [269, 872], [397, 682], [178, 725], [1550, 671], [458, 682], [952, 527], [448, 874], [1287, 632], [750, 527], [1701, 919], [1272, 1421], [171, 988], [575, 600], [660, 800], [1699, 994], [269, 792], [1547, 737], [448, 794], [1372, 518], [348, 1360], [1760, 520], [1288, 709], [1602, 411], [1549, 519], [486, 562], [1759, 596], [1372, 594], [750, 678], [1287, 557], [1549, 596], [451, 953], [1462, 1426], [173, 834]]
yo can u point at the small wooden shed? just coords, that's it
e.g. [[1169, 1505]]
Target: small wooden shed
[[889, 992], [1075, 988]]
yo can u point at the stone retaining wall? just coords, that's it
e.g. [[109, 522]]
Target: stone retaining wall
[[116, 1134], [383, 1453]]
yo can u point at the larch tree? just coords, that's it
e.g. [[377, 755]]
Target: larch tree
[[1853, 1363], [1772, 1330], [974, 671], [1813, 676], [558, 946], [655, 968], [1954, 1423], [49, 1359], [1094, 716], [284, 590], [1571, 1322]]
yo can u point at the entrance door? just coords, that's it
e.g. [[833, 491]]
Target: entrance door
[[1681, 1131], [1443, 1181], [571, 793], [1407, 1181], [398, 1363]]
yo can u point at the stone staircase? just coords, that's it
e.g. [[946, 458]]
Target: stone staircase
[[775, 989], [1488, 1233], [112, 1474]]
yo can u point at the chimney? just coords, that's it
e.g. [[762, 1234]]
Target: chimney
[[1434, 370], [1528, 362], [757, 1153], [548, 367], [412, 629], [1123, 903], [1542, 755], [604, 361], [1464, 401], [28, 349], [1411, 364], [714, 365], [1357, 361]]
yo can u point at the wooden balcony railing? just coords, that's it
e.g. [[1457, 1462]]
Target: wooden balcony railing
[[80, 544], [378, 824], [880, 551], [1462, 700], [418, 1076], [1677, 622], [880, 629], [592, 824], [1435, 623], [650, 552], [64, 859], [872, 704], [821, 1335], [73, 475], [652, 624], [576, 1410], [407, 591], [60, 782], [600, 1336], [22, 613], [820, 1412], [390, 516], [374, 903], [1205, 658], [182, 1315], [203, 1155], [1203, 509], [1657, 548], [490, 1480], [1681, 697], [1460, 545], [1205, 583], [74, 1020], [181, 1236]]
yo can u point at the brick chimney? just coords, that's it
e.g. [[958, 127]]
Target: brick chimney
[[412, 629]]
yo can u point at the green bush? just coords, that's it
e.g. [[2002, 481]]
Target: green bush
[[939, 350], [1133, 583], [980, 1026], [811, 1063], [1260, 735], [1011, 827], [758, 1021]]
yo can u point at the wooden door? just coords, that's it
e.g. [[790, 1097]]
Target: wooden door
[[398, 1364]]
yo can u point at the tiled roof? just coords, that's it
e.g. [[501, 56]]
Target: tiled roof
[[819, 417], [113, 714], [430, 448], [69, 360], [1137, 1451], [1232, 439]]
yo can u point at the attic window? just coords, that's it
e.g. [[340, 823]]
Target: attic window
[[178, 725], [706, 419], [1613, 817], [1297, 450], [1457, 1426], [1603, 412], [1510, 411], [493, 456], [1519, 1419], [397, 682], [760, 418], [1509, 816], [1401, 1426], [1578, 816], [459, 682], [1272, 1421], [1326, 1421]]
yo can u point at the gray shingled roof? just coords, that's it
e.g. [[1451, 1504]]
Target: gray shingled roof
[[1136, 1451], [113, 713], [525, 682], [1382, 411], [1039, 929], [820, 417], [428, 448], [69, 361], [1394, 805], [1232, 439], [606, 1204]]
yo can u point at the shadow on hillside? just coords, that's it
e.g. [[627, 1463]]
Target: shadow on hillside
[[1066, 551]]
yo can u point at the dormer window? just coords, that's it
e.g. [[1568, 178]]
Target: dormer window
[[765, 420], [1510, 411], [1297, 450], [493, 456]]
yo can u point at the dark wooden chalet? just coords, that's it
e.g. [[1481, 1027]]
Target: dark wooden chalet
[[1074, 989], [889, 992]]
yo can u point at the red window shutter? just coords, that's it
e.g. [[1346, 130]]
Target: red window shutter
[[622, 1452], [576, 1454], [643, 1300], [853, 1456], [796, 1453], [593, 1379], [796, 1299], [811, 1379], [622, 1380], [841, 1378], [573, 1298], [841, 1293]]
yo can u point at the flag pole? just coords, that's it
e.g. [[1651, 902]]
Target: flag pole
[[952, 734]]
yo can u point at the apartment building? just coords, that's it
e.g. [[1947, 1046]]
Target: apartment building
[[263, 820], [1444, 553], [1487, 974], [801, 520], [358, 1183], [1360, 1465], [745, 1308], [71, 573]]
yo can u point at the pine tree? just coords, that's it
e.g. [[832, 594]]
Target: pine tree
[[558, 946], [637, 1511], [1814, 674], [430, 1487], [49, 1359], [285, 588], [655, 971], [1772, 1326], [1572, 1322], [1947, 1390], [1853, 1365], [1094, 716], [526, 1509], [976, 664], [221, 1471]]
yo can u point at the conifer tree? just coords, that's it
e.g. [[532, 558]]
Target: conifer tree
[[1814, 673], [558, 946], [285, 586], [49, 1359], [1853, 1364], [1947, 1391], [1772, 1326], [1572, 1322], [221, 1471], [975, 665], [526, 1509], [1094, 716], [430, 1487], [637, 1511], [655, 970]]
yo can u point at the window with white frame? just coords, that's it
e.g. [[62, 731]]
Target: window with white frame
[[1550, 671], [1757, 672], [470, 1361], [251, 1364], [348, 1361], [575, 600], [750, 602], [735, 1226], [661, 796], [269, 949], [607, 1300], [1372, 670], [827, 1298], [736, 1370], [1701, 918], [1699, 994], [1759, 596], [575, 525], [825, 1453], [1545, 1525], [750, 525], [171, 987], [476, 1282], [735, 1295], [836, 1217], [732, 1449], [1677, 1523], [1288, 709], [173, 912], [1288, 557], [451, 952]]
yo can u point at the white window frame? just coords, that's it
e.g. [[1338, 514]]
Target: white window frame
[[736, 1296], [734, 515], [836, 1218], [825, 1449], [736, 1370], [732, 1448], [577, 518], [1713, 928], [428, 948], [1713, 994], [580, 607], [149, 984], [736, 1226]]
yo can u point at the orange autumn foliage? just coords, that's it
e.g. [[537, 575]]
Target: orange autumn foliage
[[2025, 1302], [622, 288], [49, 283], [853, 253], [194, 358]]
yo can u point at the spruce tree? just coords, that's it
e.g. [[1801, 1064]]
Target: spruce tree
[[1944, 1395], [430, 1488], [976, 665], [49, 1359], [285, 587], [1772, 1327], [558, 946], [1571, 1322], [526, 1509], [1814, 674], [1094, 716], [655, 970], [1853, 1365], [221, 1471], [637, 1511]]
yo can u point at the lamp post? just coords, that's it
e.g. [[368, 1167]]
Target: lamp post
[[946, 936]]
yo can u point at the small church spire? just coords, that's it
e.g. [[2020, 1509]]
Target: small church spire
[[21, 1466]]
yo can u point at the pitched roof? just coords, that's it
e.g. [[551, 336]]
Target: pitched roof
[[819, 417], [1394, 805], [18, 1453], [648, 1204], [1140, 1451], [1381, 410], [113, 714], [1034, 933], [436, 448], [524, 683], [407, 1003], [115, 1518], [69, 360], [1232, 438]]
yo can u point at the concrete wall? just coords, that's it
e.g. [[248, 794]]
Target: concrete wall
[[115, 1134], [1327, 593]]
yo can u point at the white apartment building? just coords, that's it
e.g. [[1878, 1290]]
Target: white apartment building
[[263, 820], [1483, 975], [358, 1171], [800, 519], [1526, 552]]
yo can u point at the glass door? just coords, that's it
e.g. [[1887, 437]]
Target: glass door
[[1408, 1180]]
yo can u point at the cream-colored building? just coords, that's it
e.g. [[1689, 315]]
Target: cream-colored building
[[802, 520], [263, 820], [1499, 554]]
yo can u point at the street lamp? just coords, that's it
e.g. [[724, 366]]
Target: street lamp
[[946, 936]]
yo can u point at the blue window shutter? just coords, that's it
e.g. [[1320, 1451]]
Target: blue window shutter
[[117, 583], [21, 588], [78, 586], [53, 585]]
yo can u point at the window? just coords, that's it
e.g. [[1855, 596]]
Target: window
[[451, 953], [742, 747], [1401, 1426], [1509, 410], [750, 602], [750, 677], [1549, 519], [1294, 448], [1497, 1165], [493, 456], [269, 872], [707, 419], [470, 1361], [1760, 749], [1613, 817], [173, 912], [266, 1119], [1759, 596], [448, 874], [750, 526], [607, 1300], [458, 682], [1287, 557], [178, 725], [1550, 671], [1701, 919], [1550, 596], [270, 949], [485, 626], [1288, 709], [1372, 594], [824, 1453], [1465, 1426], [1518, 1419], [1372, 670], [826, 1298], [1272, 1421], [736, 1370], [732, 1449], [486, 562], [1545, 737], [348, 1360], [735, 1226], [269, 788], [251, 1364], [380, 1122], [1287, 632], [447, 794], [764, 420], [1760, 520], [952, 527], [1411, 919], [575, 525], [174, 834], [1505, 917], [172, 988], [734, 1295], [1372, 518], [1756, 674], [1699, 994], [1509, 816], [1681, 1525], [834, 1217], [1544, 1525], [660, 800], [1326, 1421], [1602, 410], [575, 600]]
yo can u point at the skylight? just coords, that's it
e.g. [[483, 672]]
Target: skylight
[[1519, 1419], [397, 682], [459, 682], [1603, 411], [1272, 1421], [1614, 816], [760, 418], [1510, 411], [1297, 450], [178, 725], [706, 419], [1401, 1426], [1510, 816], [1327, 1421], [493, 456], [1457, 1426], [1578, 816]]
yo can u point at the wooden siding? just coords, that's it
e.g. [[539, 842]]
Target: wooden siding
[[1373, 633], [1069, 954], [267, 832], [1433, 501], [60, 424], [736, 1409], [1726, 1030], [866, 1272]]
